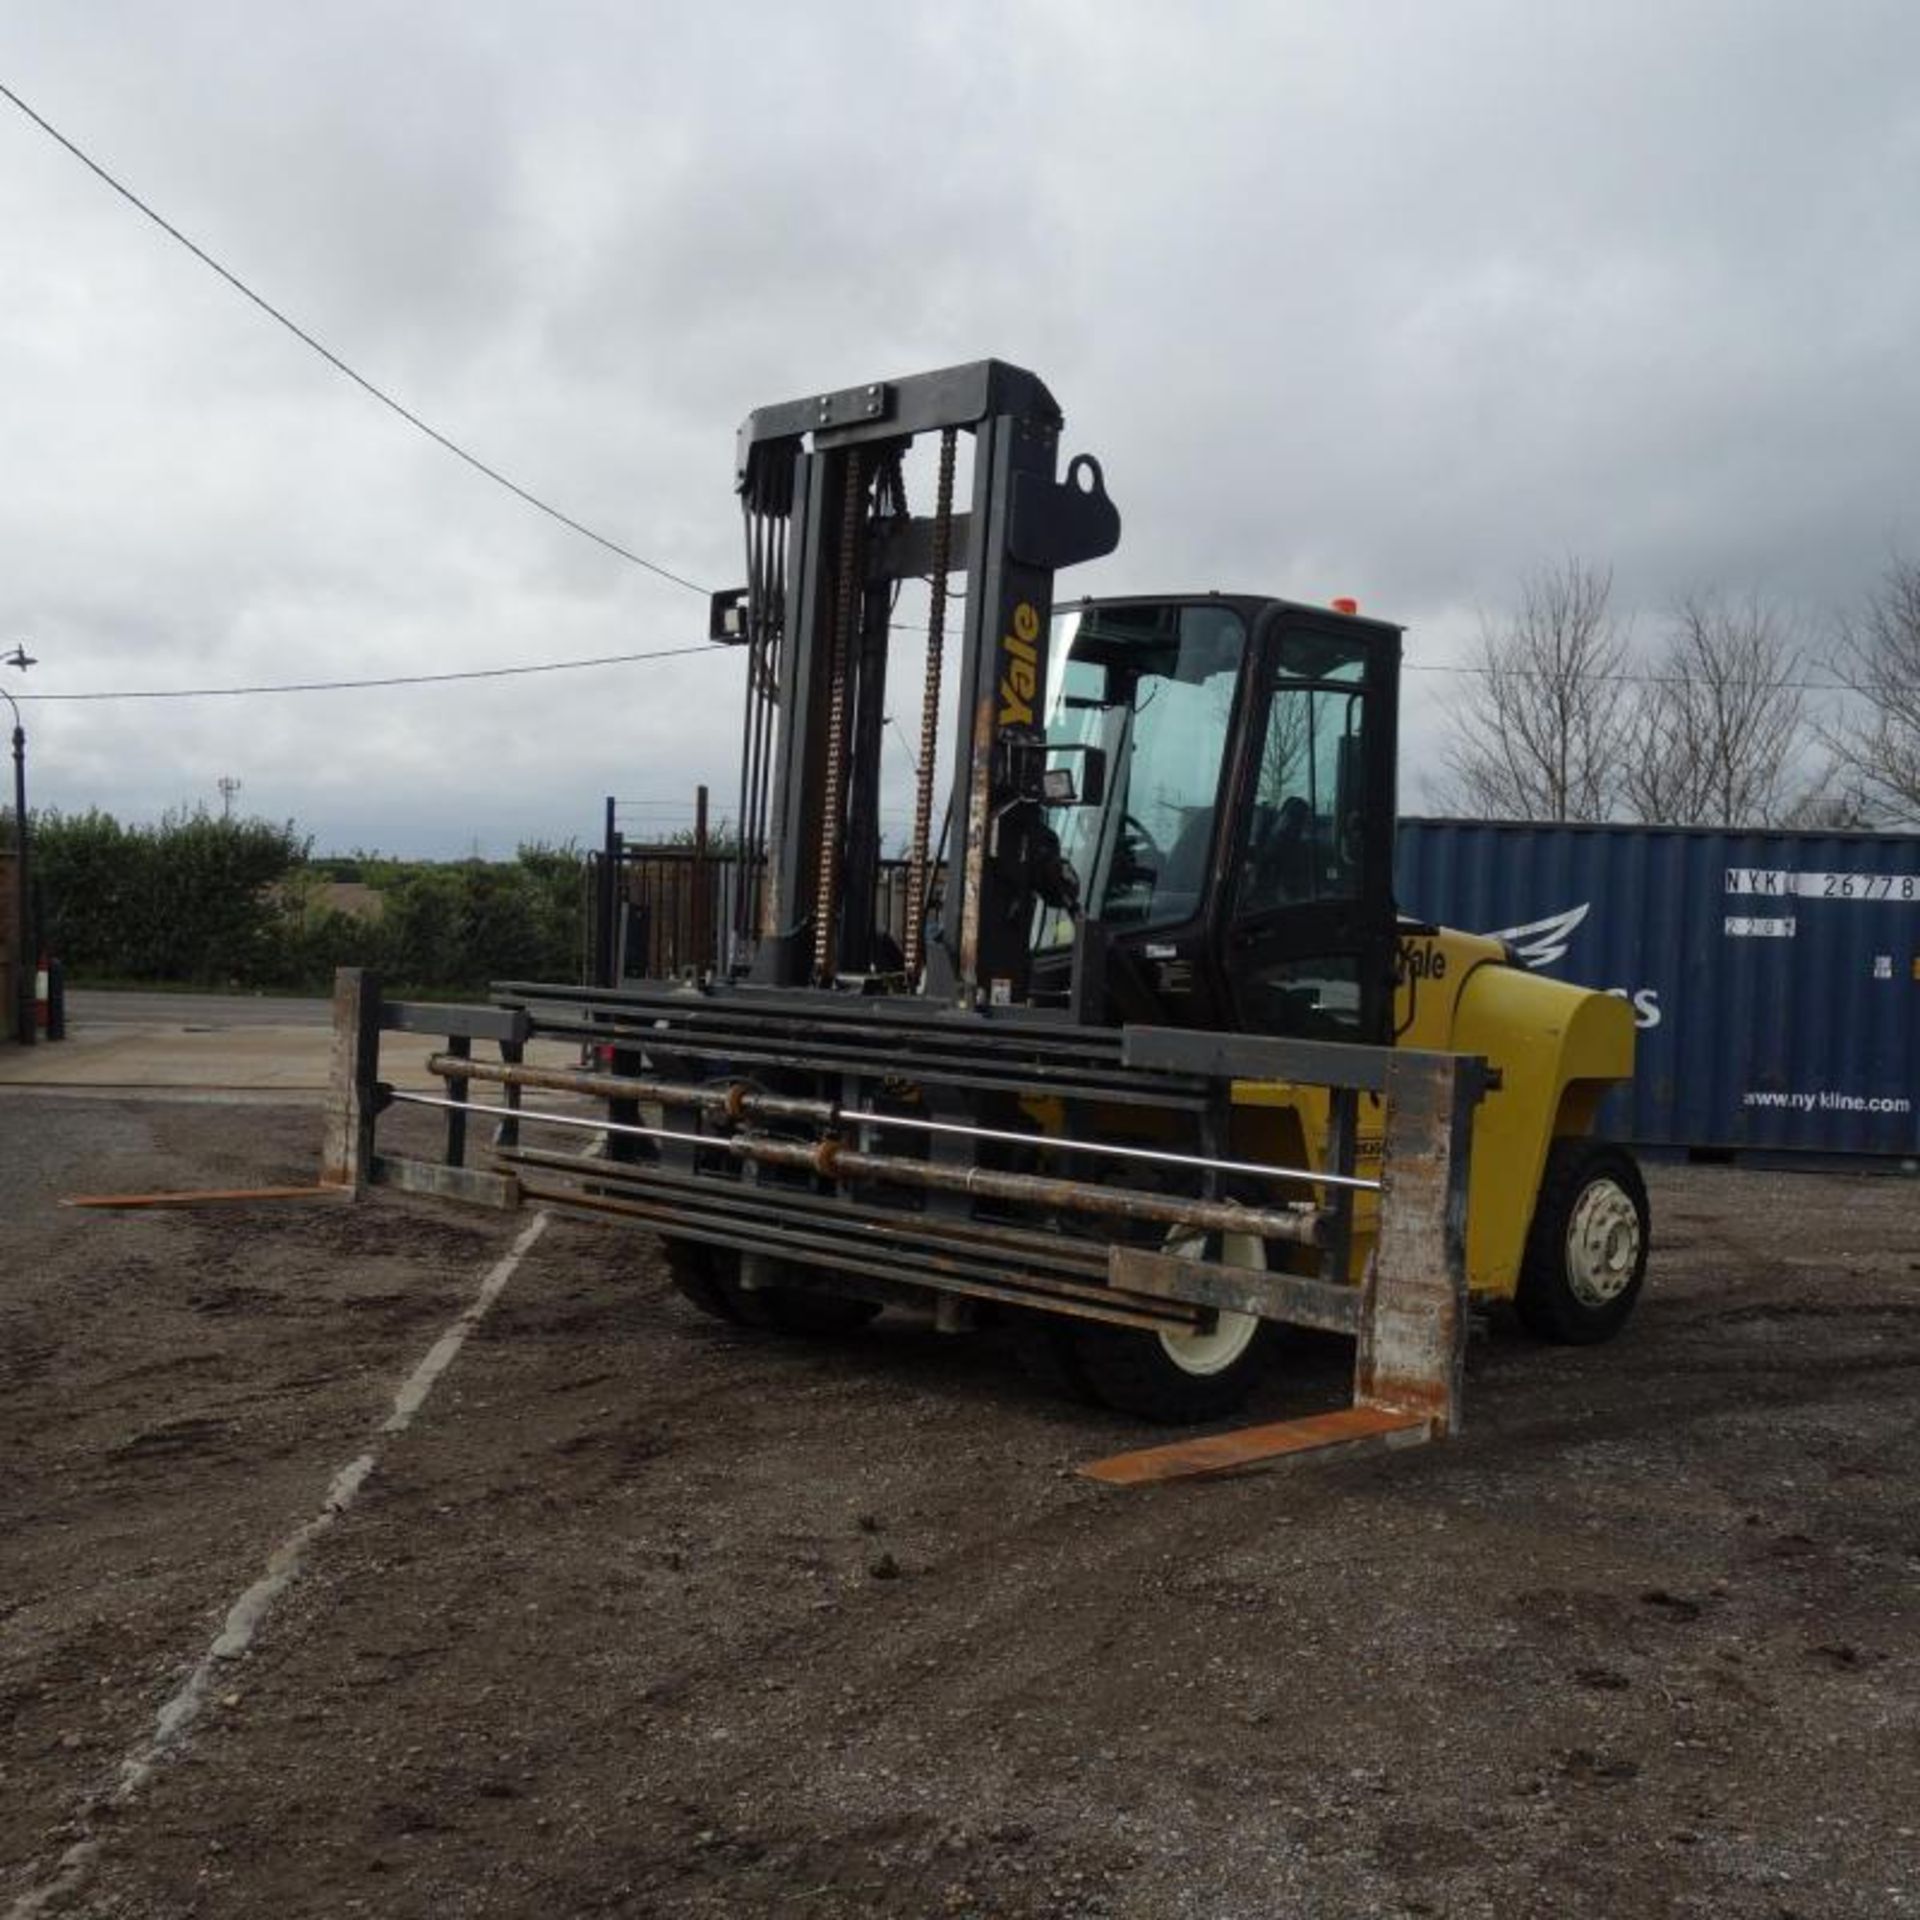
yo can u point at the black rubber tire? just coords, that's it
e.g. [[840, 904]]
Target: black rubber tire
[[1049, 1362], [1546, 1301], [801, 1310], [709, 1277], [697, 1274], [1131, 1371]]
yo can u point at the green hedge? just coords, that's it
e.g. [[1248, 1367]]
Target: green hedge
[[200, 901], [189, 900]]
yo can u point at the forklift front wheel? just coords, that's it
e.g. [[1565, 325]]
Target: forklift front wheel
[[1587, 1252], [1176, 1379]]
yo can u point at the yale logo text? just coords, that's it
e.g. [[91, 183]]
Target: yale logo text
[[1020, 680]]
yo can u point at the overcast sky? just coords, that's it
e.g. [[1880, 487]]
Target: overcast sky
[[1392, 300]]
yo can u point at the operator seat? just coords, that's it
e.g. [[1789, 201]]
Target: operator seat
[[1280, 856]]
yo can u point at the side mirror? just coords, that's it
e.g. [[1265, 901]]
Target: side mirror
[[1026, 772], [1060, 789], [727, 617]]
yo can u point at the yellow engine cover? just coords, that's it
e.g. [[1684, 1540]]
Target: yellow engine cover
[[1557, 1049]]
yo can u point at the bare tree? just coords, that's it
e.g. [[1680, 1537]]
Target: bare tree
[[1832, 804], [1541, 731], [1720, 731], [1283, 755], [1881, 663]]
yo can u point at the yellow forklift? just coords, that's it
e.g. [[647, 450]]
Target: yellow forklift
[[1149, 1064]]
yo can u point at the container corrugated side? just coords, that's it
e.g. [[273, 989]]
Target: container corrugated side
[[1775, 977]]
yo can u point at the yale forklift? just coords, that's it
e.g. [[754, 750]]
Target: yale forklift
[[1169, 844], [1142, 1061]]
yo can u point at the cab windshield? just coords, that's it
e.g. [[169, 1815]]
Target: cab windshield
[[1152, 687]]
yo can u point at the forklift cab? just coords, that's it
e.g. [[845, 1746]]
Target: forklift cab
[[1234, 851]]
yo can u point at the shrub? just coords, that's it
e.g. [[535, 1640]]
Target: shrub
[[207, 902]]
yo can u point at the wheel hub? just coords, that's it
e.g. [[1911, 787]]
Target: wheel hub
[[1603, 1243], [1214, 1348]]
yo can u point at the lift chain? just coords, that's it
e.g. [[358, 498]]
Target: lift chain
[[930, 707], [845, 600]]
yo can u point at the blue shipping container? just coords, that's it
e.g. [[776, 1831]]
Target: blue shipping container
[[1775, 977]]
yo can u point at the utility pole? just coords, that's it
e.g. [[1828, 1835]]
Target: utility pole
[[26, 956], [229, 786]]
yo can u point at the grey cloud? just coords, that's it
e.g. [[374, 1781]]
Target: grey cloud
[[1391, 301]]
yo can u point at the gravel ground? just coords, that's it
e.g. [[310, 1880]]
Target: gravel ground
[[645, 1615]]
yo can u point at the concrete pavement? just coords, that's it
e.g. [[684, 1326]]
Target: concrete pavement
[[201, 1045], [91, 1007]]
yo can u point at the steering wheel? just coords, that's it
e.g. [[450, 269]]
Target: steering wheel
[[1132, 827], [1138, 856]]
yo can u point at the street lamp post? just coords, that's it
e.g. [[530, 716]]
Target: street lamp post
[[25, 958]]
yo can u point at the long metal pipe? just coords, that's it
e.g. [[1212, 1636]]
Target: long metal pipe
[[740, 1102], [1106, 1304], [832, 1160]]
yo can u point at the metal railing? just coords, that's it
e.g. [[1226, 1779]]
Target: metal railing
[[664, 913]]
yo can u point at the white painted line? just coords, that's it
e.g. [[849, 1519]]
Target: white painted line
[[176, 1717]]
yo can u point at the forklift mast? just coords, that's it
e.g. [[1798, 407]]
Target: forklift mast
[[829, 539]]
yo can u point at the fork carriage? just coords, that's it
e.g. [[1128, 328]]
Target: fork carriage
[[989, 1162]]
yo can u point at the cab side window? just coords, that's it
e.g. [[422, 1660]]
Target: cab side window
[[1304, 839]]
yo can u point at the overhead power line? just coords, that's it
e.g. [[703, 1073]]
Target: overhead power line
[[679, 653], [386, 680], [326, 353]]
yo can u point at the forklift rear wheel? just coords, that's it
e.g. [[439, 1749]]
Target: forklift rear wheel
[[694, 1270], [801, 1309], [1176, 1379], [1586, 1255], [709, 1277]]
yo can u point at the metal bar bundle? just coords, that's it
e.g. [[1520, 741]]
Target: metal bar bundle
[[769, 1107]]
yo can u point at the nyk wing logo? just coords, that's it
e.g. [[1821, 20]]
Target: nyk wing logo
[[1541, 942]]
